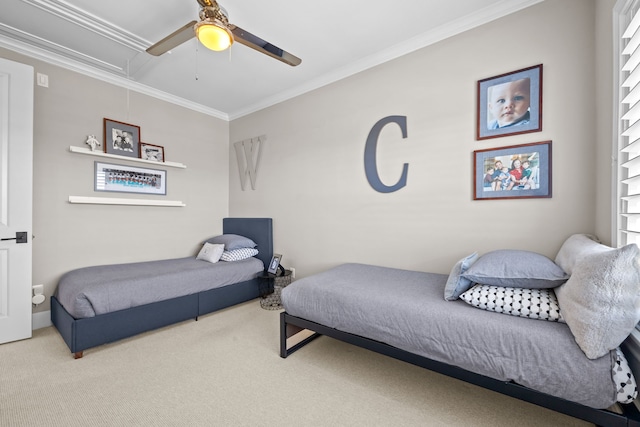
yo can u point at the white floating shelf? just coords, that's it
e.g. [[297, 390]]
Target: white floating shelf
[[82, 150], [131, 202]]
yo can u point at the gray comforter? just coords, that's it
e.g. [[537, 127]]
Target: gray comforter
[[91, 291], [407, 310]]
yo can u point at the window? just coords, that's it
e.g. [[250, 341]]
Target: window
[[627, 151]]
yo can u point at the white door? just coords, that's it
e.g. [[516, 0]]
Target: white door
[[16, 170]]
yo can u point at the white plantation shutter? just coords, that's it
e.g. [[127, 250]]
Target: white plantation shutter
[[626, 151], [628, 147]]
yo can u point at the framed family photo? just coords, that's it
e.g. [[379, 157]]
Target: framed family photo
[[517, 171], [153, 153], [120, 138], [510, 104], [129, 179]]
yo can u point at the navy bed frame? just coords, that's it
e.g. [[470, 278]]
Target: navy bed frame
[[81, 334], [292, 325]]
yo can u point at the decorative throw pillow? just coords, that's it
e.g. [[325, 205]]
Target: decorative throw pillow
[[456, 284], [531, 303], [210, 252], [626, 387], [238, 254], [516, 269], [575, 247], [232, 241], [601, 300]]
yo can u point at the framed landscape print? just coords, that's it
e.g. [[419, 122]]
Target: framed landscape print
[[510, 104], [120, 138], [518, 171]]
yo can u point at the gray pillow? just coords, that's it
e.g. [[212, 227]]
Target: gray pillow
[[456, 284], [516, 269], [232, 241], [601, 300]]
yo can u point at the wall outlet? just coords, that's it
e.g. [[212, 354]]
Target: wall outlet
[[293, 272], [38, 289]]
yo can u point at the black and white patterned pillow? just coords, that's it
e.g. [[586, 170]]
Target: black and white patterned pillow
[[624, 380], [238, 254], [532, 303]]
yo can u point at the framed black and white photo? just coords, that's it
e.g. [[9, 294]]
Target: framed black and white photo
[[129, 179], [518, 171], [510, 104], [275, 262], [120, 138], [153, 153]]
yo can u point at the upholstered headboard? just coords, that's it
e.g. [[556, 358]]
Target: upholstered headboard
[[260, 230]]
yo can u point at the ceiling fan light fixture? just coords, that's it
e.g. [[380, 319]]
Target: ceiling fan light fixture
[[214, 35]]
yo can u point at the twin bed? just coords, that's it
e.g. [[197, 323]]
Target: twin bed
[[403, 314], [102, 304]]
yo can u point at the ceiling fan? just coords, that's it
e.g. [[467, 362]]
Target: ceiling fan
[[214, 31]]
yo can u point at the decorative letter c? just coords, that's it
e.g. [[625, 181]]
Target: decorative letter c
[[370, 165]]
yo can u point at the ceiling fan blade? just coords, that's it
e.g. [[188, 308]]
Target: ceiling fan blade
[[254, 42], [173, 40]]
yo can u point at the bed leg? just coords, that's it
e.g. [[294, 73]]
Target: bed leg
[[78, 355], [300, 336]]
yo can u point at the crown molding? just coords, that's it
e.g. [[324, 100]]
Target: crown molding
[[54, 58], [468, 22], [90, 22], [38, 48]]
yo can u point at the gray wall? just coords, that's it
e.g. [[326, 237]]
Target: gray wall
[[312, 181], [70, 236]]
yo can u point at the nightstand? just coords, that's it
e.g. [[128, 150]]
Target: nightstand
[[270, 287]]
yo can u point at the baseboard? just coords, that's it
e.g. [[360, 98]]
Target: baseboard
[[41, 320]]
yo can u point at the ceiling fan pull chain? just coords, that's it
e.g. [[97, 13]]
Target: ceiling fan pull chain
[[196, 70]]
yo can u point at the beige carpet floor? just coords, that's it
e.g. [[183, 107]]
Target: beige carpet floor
[[224, 370]]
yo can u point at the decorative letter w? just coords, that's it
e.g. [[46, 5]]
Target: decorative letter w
[[248, 153]]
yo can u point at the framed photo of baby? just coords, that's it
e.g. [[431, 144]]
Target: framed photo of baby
[[510, 104], [518, 171]]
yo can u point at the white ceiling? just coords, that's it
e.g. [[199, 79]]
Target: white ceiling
[[334, 38]]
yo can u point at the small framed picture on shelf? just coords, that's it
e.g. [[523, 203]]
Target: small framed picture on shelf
[[275, 262], [154, 153], [120, 138]]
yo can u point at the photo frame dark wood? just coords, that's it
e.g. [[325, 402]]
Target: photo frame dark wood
[[510, 104], [153, 153], [122, 139], [514, 172]]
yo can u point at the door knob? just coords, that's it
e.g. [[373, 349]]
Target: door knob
[[21, 237]]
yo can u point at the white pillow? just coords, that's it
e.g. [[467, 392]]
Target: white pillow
[[211, 252], [531, 303], [627, 389], [575, 247], [601, 300]]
